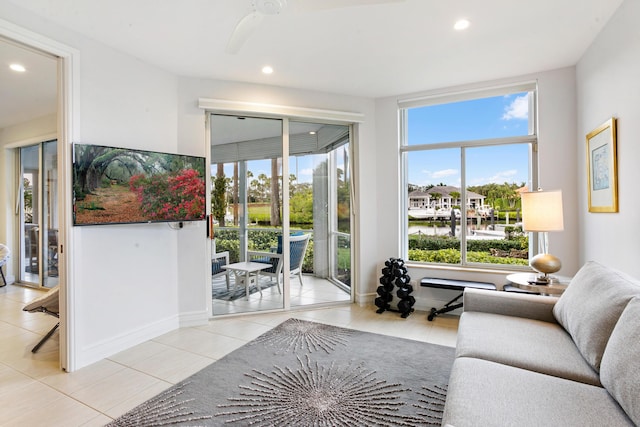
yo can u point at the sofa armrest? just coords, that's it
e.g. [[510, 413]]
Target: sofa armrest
[[510, 304]]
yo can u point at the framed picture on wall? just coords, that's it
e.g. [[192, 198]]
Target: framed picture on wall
[[602, 168]]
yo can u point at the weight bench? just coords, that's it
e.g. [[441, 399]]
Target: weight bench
[[456, 285]]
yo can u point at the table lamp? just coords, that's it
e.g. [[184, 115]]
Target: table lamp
[[542, 212]]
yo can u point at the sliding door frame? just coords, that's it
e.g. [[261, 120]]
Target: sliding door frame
[[286, 114]]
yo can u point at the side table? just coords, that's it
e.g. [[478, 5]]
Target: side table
[[525, 281], [248, 273]]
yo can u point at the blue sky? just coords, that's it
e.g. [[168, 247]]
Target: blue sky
[[495, 117]]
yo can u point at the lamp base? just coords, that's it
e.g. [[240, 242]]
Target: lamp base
[[545, 264]]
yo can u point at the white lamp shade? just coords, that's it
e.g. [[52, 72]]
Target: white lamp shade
[[542, 211]]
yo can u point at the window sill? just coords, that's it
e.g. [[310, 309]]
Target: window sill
[[468, 269]]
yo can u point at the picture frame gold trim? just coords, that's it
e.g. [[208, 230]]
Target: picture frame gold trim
[[602, 168]]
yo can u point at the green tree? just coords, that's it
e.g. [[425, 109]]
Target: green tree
[[301, 206], [218, 198], [455, 195], [27, 195], [510, 194], [275, 194]]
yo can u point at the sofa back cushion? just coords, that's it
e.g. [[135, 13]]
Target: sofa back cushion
[[591, 306], [620, 368]]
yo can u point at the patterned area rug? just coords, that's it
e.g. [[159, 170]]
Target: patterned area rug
[[219, 290], [310, 374]]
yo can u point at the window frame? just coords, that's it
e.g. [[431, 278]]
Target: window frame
[[404, 149]]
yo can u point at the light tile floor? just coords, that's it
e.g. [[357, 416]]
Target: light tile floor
[[314, 291], [33, 390]]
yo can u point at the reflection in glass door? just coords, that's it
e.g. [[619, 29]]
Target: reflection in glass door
[[319, 205], [38, 215], [341, 219]]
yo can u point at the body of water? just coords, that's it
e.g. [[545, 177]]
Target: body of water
[[474, 231]]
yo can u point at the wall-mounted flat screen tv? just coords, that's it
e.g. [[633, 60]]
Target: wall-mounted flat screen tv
[[121, 186]]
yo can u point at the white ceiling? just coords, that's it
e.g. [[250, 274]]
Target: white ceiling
[[373, 50], [28, 95]]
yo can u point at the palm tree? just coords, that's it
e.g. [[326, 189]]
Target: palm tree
[[436, 197], [455, 195], [275, 194]]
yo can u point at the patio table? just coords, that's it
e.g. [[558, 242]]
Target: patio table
[[249, 272]]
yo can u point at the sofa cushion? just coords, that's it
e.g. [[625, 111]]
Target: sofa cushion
[[483, 393], [620, 369], [591, 306], [523, 343]]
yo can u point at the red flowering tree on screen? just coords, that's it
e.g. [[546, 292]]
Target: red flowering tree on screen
[[167, 197]]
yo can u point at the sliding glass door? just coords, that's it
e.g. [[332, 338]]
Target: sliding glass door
[[246, 200], [319, 193], [38, 207], [249, 215]]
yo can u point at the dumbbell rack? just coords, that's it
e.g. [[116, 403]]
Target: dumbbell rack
[[394, 275]]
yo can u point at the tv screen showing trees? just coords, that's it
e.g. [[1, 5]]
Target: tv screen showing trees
[[119, 186]]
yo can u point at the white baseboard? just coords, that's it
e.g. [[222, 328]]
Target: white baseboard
[[194, 318], [103, 349]]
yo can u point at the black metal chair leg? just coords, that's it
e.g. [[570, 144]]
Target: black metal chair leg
[[46, 337]]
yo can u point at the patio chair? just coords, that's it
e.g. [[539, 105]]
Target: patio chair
[[4, 257], [46, 303], [217, 261], [298, 247]]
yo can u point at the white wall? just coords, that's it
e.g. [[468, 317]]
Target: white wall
[[124, 277], [609, 86], [35, 130], [557, 124]]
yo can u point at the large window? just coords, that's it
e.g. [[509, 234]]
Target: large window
[[466, 159]]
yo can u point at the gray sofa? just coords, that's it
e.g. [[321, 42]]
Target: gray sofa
[[529, 360]]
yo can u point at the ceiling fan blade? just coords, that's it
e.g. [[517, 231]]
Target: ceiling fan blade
[[311, 5], [243, 30]]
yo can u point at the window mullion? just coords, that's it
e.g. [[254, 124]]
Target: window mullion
[[527, 139], [463, 206]]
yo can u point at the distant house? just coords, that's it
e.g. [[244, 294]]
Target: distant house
[[440, 197]]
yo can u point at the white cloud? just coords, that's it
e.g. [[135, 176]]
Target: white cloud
[[428, 177], [498, 178], [444, 173], [518, 109], [305, 172], [501, 177]]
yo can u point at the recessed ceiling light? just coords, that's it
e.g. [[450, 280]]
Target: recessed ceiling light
[[18, 68], [312, 132], [461, 24], [267, 69]]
